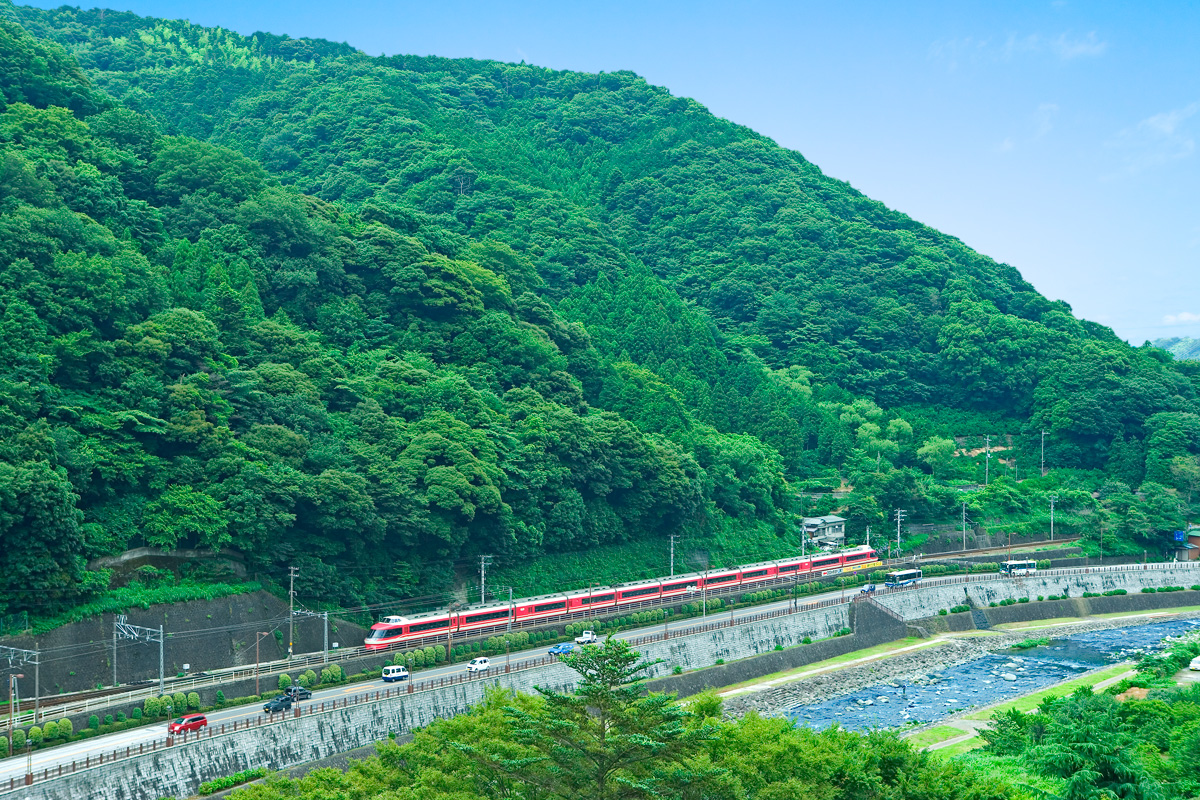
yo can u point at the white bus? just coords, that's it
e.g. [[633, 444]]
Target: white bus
[[1018, 568], [903, 577]]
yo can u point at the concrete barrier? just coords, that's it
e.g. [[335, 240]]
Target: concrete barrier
[[179, 770]]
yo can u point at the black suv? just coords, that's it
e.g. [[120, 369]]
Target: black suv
[[276, 704], [298, 693]]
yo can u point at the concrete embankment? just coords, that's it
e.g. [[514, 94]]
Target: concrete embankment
[[179, 770]]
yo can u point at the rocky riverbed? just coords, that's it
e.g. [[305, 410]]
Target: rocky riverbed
[[918, 667]]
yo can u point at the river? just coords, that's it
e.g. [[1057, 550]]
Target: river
[[986, 680]]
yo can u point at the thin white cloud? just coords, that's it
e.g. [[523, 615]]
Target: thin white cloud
[[1006, 146], [1043, 119], [1182, 318], [1066, 46], [1157, 140]]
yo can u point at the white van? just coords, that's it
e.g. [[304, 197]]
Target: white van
[[395, 674], [1195, 665]]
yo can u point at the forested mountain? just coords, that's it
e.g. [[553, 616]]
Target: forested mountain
[[1180, 347], [375, 316]]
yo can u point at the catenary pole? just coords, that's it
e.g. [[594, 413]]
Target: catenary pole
[[1043, 452], [964, 525], [291, 608], [987, 459]]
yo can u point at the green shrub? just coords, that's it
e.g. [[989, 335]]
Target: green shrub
[[678, 670], [1022, 599], [806, 640], [959, 609], [1091, 594], [285, 682], [942, 612], [93, 721], [65, 729], [1030, 643], [1196, 588], [991, 605], [1148, 590], [137, 712], [18, 738], [35, 734], [120, 716], [193, 701], [1040, 598], [721, 661], [418, 658], [439, 654], [1043, 563], [220, 701], [210, 787], [3, 747], [178, 703], [108, 719]]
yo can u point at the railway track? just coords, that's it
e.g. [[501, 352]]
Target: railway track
[[304, 661]]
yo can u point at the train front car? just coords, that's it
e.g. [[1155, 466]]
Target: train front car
[[387, 632]]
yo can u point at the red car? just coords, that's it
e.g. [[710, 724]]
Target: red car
[[192, 722]]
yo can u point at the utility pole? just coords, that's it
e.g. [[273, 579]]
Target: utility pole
[[900, 515], [868, 536], [1052, 499], [508, 634], [1043, 452], [672, 555], [126, 631], [13, 702], [964, 525], [484, 561], [450, 633], [987, 459], [258, 639], [114, 656], [292, 572]]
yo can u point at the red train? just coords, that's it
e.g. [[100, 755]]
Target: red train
[[606, 599]]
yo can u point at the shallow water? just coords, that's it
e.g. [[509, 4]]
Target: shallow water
[[983, 681]]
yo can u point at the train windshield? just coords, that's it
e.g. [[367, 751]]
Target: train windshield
[[383, 633]]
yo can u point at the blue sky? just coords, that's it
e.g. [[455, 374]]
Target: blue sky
[[1059, 137]]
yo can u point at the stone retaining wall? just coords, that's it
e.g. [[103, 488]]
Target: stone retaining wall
[[178, 772], [872, 627]]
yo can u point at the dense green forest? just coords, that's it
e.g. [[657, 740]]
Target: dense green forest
[[377, 316]]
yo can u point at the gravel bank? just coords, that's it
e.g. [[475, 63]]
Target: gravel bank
[[910, 667]]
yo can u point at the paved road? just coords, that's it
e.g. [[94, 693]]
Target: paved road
[[79, 751], [50, 758]]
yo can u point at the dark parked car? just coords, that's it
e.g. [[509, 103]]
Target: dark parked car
[[298, 693], [277, 704]]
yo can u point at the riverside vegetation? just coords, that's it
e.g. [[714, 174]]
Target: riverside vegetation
[[1143, 746], [374, 317], [610, 740]]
